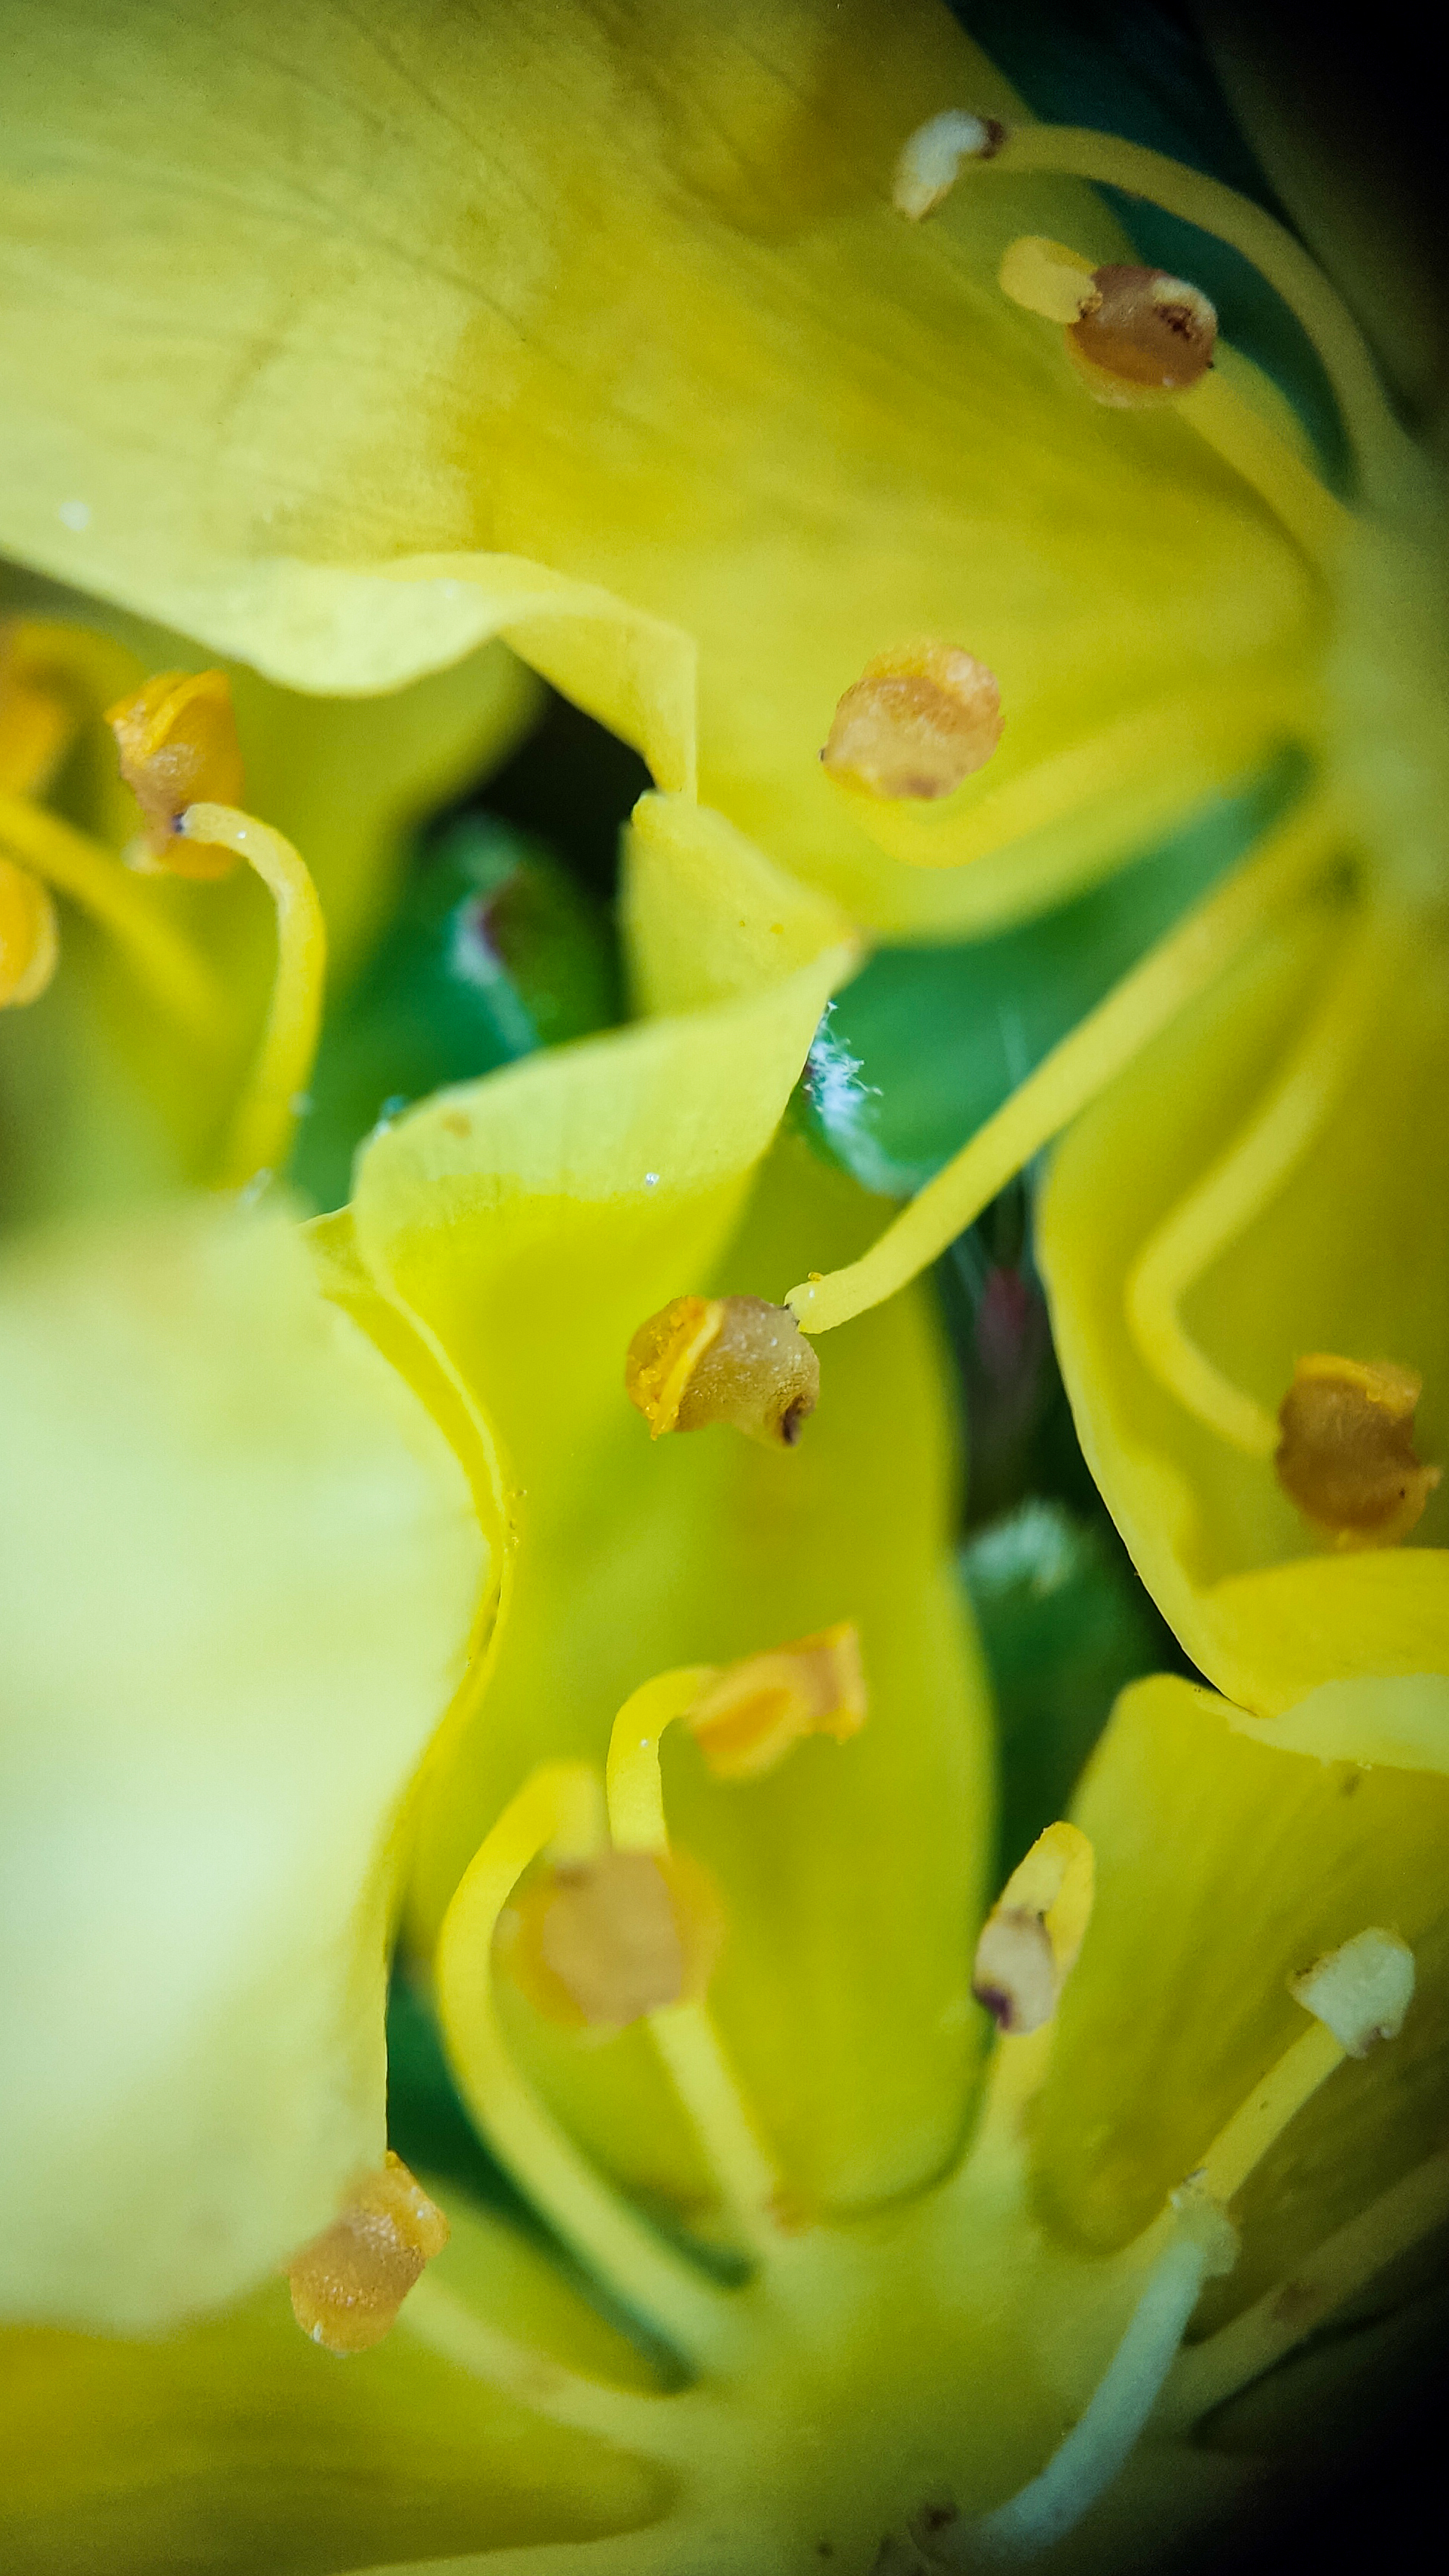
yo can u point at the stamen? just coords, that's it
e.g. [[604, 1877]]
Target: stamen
[[723, 1359], [88, 874], [1045, 277], [350, 2282], [1347, 1455], [1215, 2369], [180, 757], [1235, 1190], [757, 1711], [1031, 1938], [598, 1943], [1182, 965], [557, 1806], [1361, 1991], [1148, 337], [1078, 153], [918, 721], [828, 1684], [178, 744], [1099, 2445], [29, 937], [931, 160], [266, 1114], [1362, 1985]]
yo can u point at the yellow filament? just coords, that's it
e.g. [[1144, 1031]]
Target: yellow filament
[[557, 1805], [1292, 491], [1145, 1002], [1263, 2117], [1342, 2265], [1074, 152], [1224, 724], [261, 1129], [684, 2034], [1234, 1191], [93, 878]]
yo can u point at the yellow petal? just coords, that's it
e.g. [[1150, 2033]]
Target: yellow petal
[[237, 2445], [241, 1568], [639, 309], [1227, 1866], [1349, 1254], [529, 1223]]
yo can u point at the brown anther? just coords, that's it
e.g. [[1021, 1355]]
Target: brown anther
[[595, 1944], [1030, 1939], [1347, 1456], [178, 747], [749, 1719], [349, 2283], [723, 1359], [1149, 338], [29, 938], [917, 722]]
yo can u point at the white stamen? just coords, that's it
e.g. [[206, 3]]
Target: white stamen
[[931, 159], [1360, 1992], [1099, 2445]]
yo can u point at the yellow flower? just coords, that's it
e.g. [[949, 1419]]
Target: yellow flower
[[609, 340], [639, 308]]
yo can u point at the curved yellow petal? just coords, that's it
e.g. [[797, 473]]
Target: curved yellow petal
[[106, 1100], [235, 2444], [1348, 1252], [240, 1570], [1225, 1866], [324, 340], [529, 1223]]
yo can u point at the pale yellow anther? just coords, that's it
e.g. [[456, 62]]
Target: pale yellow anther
[[1149, 338], [723, 1359], [178, 747], [349, 2283], [918, 721], [1047, 278], [597, 1943], [1030, 1939], [753, 1713], [1360, 1991], [29, 939], [1347, 1456]]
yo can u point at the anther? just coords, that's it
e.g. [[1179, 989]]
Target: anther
[[723, 1359], [1148, 337], [29, 939], [1047, 278], [1030, 1939], [597, 1943], [754, 1712], [931, 158], [1361, 1991], [916, 723], [178, 747], [1347, 1455], [349, 2283]]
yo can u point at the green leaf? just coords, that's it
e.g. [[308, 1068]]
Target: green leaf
[[1065, 1627], [927, 1042], [493, 952]]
